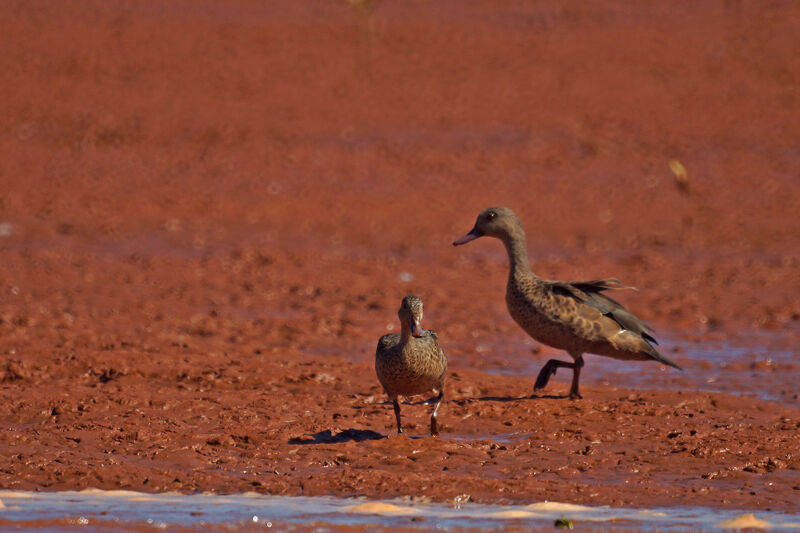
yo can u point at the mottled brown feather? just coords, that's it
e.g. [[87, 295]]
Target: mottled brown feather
[[406, 364], [411, 362], [576, 316], [415, 367]]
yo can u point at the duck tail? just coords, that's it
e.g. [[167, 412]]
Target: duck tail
[[661, 358]]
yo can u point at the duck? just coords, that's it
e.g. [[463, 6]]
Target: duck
[[576, 316], [411, 362]]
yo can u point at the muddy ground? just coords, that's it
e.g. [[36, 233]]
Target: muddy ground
[[210, 211]]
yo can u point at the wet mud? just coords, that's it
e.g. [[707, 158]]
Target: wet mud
[[209, 214]]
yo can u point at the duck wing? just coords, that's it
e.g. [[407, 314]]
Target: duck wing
[[591, 293]]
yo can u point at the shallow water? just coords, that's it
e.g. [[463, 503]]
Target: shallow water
[[759, 364], [95, 510]]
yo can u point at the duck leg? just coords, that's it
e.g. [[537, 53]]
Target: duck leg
[[549, 369], [397, 415], [576, 375], [434, 425]]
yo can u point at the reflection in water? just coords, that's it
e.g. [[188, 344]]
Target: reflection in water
[[95, 510]]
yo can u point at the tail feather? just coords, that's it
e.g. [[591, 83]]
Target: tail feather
[[663, 359]]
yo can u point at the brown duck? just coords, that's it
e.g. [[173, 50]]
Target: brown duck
[[576, 316], [411, 362]]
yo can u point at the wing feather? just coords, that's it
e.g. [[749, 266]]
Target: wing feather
[[590, 293]]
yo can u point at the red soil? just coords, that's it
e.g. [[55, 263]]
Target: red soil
[[210, 212]]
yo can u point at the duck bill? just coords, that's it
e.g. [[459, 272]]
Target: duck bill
[[416, 329], [471, 236]]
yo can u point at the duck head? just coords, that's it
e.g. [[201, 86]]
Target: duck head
[[498, 222], [410, 314]]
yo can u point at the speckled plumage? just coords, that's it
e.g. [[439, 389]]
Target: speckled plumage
[[573, 316], [411, 362]]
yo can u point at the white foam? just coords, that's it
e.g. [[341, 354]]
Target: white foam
[[219, 511]]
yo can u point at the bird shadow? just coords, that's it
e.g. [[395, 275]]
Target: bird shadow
[[328, 437], [549, 397], [407, 401], [505, 399]]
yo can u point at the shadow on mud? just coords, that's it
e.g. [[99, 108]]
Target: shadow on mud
[[535, 396], [327, 437], [505, 399]]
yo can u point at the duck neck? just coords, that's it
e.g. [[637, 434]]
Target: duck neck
[[517, 253], [405, 332]]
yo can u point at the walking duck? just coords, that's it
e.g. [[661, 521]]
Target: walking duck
[[576, 316], [411, 362]]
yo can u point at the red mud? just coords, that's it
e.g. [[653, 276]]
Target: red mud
[[210, 212]]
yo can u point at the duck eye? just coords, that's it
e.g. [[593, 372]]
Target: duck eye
[[491, 216]]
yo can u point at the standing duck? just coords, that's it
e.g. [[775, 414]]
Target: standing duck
[[411, 362], [576, 317]]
